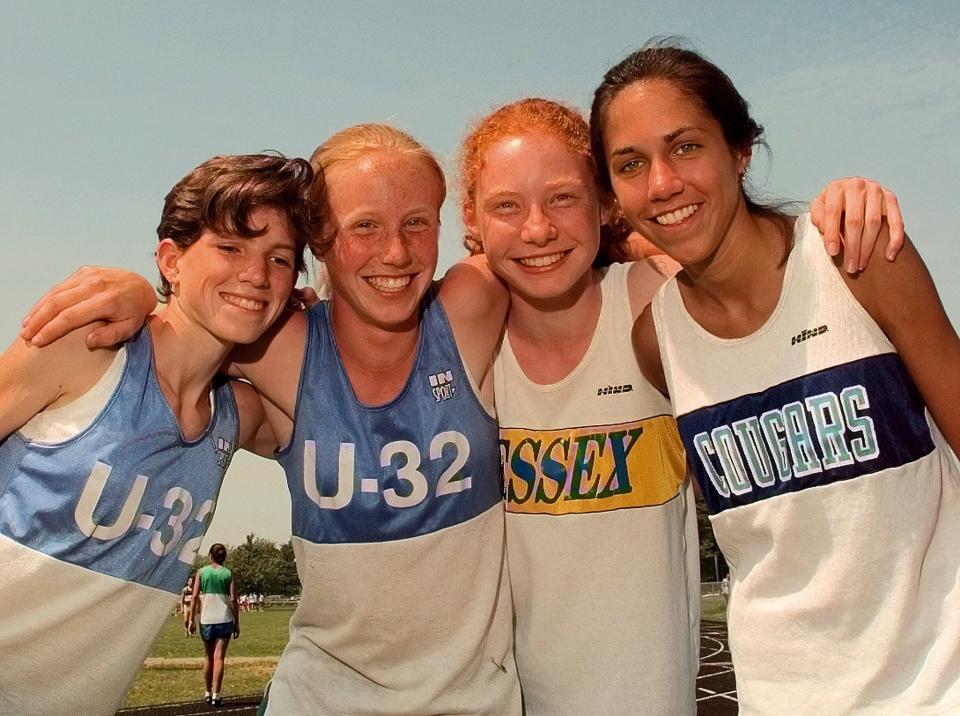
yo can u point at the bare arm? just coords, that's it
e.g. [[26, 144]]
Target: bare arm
[[121, 298], [256, 433], [33, 379], [236, 609], [194, 602], [645, 277], [476, 303], [903, 301], [859, 207], [647, 349]]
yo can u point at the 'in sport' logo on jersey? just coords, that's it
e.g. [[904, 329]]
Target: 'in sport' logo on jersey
[[442, 385], [224, 451]]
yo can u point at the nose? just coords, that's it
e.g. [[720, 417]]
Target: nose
[[537, 228], [396, 252], [663, 181], [256, 272]]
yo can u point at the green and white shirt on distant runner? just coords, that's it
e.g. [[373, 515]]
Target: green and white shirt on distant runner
[[215, 607]]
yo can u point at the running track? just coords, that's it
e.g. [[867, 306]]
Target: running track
[[716, 692]]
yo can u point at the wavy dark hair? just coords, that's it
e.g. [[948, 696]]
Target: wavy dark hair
[[220, 194]]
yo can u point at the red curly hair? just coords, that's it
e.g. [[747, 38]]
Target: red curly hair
[[525, 116]]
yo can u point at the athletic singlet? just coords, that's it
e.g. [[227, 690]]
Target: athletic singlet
[[399, 539], [836, 501], [97, 536], [601, 531], [215, 605]]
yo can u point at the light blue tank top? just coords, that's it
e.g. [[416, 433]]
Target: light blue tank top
[[427, 460], [127, 496]]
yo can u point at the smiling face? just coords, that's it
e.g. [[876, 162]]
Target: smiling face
[[234, 287], [675, 177], [386, 207], [536, 212]]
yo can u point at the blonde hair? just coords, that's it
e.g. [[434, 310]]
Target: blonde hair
[[354, 142]]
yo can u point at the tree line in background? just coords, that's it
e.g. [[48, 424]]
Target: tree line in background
[[713, 567], [261, 566]]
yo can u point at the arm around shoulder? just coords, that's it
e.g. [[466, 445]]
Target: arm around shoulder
[[903, 300], [476, 303]]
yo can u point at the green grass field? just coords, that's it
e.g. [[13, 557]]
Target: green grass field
[[262, 637]]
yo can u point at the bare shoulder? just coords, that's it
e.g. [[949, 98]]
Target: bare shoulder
[[476, 303], [273, 363], [470, 289], [35, 378], [645, 277], [647, 350]]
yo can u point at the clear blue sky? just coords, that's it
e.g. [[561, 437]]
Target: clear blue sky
[[104, 106]]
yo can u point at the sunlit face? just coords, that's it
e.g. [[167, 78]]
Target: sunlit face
[[234, 287], [677, 180], [386, 207], [537, 214]]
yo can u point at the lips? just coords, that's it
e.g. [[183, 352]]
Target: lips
[[389, 284], [542, 261], [248, 304], [676, 216]]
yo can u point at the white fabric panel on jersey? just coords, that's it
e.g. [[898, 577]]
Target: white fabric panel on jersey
[[601, 531], [836, 501]]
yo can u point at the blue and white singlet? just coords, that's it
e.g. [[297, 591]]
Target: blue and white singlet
[[98, 534], [399, 539]]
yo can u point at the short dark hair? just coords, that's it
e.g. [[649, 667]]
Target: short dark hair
[[221, 193], [218, 553]]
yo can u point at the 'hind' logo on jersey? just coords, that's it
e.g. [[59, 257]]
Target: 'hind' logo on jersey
[[442, 385], [224, 451]]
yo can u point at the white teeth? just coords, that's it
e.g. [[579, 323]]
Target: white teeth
[[676, 216], [389, 283], [247, 303], [540, 261]]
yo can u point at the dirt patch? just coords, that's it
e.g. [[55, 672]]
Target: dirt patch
[[196, 662]]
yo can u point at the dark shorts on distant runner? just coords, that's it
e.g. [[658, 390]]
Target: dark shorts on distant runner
[[209, 632]]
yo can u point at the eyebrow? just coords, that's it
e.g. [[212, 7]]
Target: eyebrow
[[667, 138]]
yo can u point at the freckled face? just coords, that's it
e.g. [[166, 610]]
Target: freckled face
[[386, 206], [537, 214], [675, 177], [233, 286]]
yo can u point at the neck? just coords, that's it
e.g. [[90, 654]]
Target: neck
[[733, 291], [186, 355], [377, 359], [558, 318], [537, 328]]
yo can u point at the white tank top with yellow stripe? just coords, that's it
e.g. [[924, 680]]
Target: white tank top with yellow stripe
[[601, 531]]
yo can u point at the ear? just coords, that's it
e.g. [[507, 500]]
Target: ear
[[743, 160], [609, 209], [168, 261], [470, 223]]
